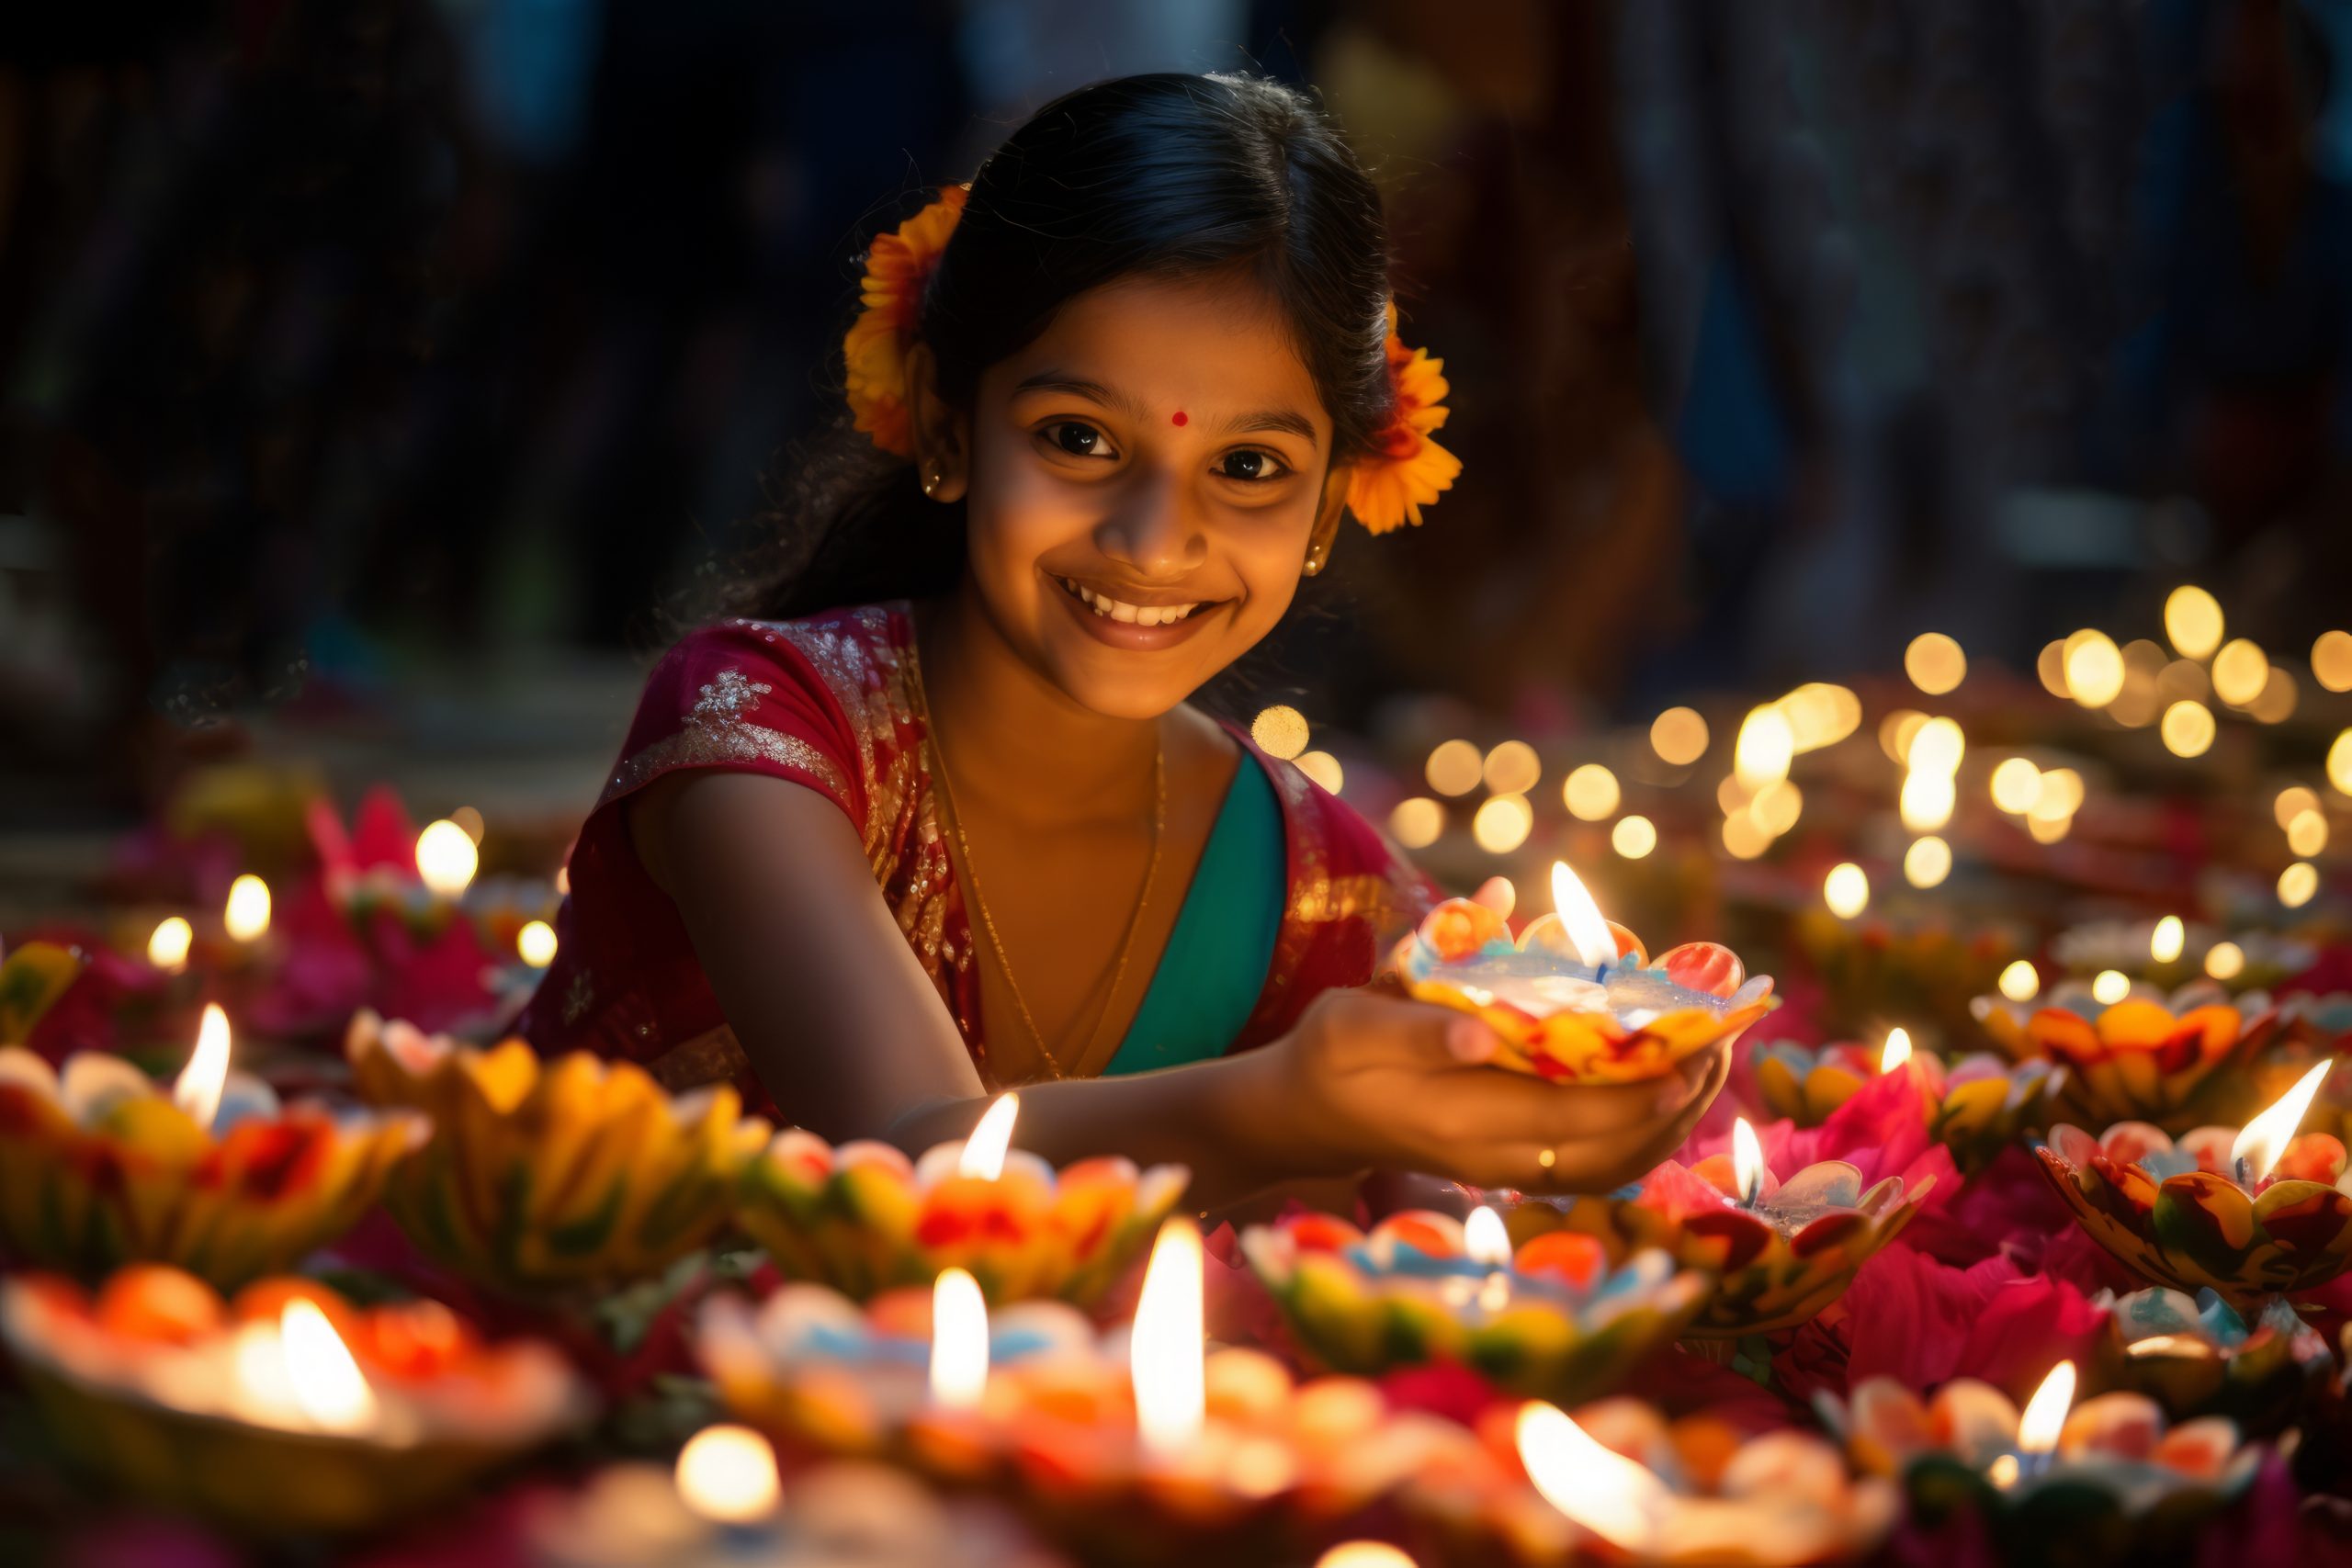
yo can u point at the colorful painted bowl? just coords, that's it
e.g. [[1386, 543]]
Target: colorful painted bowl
[[2172, 1211], [1734, 1499], [2118, 1480], [863, 1218], [1554, 1020], [99, 1167], [1556, 1321], [189, 1402], [553, 1177], [2150, 1057], [2200, 1356], [1776, 1264]]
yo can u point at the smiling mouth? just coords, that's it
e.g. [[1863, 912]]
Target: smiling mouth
[[1112, 609]]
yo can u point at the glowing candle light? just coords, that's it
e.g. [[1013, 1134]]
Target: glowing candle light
[[1616, 1498], [960, 1340], [167, 945], [1846, 890], [2225, 961], [2166, 942], [447, 858], [2192, 621], [1589, 934], [2093, 666], [1747, 1161], [1897, 1051], [1935, 663], [534, 943], [2297, 885], [2261, 1140], [1165, 1347], [197, 1089], [1928, 799], [321, 1379], [1927, 861], [1678, 735], [1765, 746], [2017, 785], [1633, 837], [983, 1155], [727, 1473], [247, 912], [2109, 987], [1486, 1242], [2045, 1413], [2020, 982], [1590, 793], [1365, 1554]]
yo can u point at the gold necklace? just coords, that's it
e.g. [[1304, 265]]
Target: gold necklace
[[988, 922]]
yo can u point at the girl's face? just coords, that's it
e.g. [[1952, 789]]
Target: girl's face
[[1142, 482]]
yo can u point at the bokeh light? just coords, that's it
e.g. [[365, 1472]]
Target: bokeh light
[[2020, 982], [1324, 769], [2307, 834], [2164, 943], [2094, 668], [2239, 672], [1846, 890], [1633, 837], [2192, 621], [1590, 793], [2110, 986], [2017, 785], [1765, 747], [2292, 802], [1926, 863], [168, 943], [2332, 661], [2298, 884], [1678, 735], [1280, 731], [445, 858], [1512, 768], [1417, 822], [1935, 663], [1897, 730], [246, 914], [1502, 823], [2187, 728], [1454, 768], [2339, 763], [2225, 961], [534, 943]]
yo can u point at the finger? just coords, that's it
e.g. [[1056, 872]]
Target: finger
[[1497, 894]]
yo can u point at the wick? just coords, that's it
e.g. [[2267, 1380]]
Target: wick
[[1600, 976], [2242, 1176], [1177, 418]]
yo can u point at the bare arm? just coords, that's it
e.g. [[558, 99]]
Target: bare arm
[[848, 1035]]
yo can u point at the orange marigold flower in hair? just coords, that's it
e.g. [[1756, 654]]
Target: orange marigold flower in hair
[[898, 264], [1405, 470]]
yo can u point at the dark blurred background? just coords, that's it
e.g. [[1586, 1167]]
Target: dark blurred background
[[379, 377]]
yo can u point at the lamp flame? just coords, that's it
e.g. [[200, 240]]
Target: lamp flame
[[1897, 1051], [727, 1474], [1614, 1497], [2260, 1143], [246, 914], [168, 944], [1595, 943], [1484, 1239], [1164, 1354], [447, 858], [983, 1155], [959, 1341], [2045, 1413], [2166, 941], [197, 1089], [325, 1384], [1747, 1160]]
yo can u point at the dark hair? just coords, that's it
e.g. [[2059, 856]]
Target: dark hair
[[1163, 175]]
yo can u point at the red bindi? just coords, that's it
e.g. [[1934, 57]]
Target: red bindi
[[1177, 418]]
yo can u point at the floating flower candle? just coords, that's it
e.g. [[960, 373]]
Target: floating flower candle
[[2245, 1212], [1975, 1107], [286, 1411], [1619, 1482], [863, 1218], [551, 1175], [1554, 1319], [1576, 997], [2148, 1056], [1780, 1251], [100, 1166]]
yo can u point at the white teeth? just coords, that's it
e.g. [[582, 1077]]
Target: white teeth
[[1134, 615]]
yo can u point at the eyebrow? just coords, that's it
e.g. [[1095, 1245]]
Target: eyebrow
[[1284, 420]]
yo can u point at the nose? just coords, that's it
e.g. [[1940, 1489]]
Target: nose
[[1156, 531]]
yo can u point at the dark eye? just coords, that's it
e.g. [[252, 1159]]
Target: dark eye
[[1249, 465], [1078, 439]]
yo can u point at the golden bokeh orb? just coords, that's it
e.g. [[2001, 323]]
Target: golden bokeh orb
[[1846, 890], [2192, 621], [2240, 671], [1678, 735], [1502, 823], [1927, 861], [1280, 731], [1590, 793], [1633, 837], [1417, 822], [2186, 729], [2332, 661], [1935, 663], [1512, 768], [1454, 768], [2093, 666]]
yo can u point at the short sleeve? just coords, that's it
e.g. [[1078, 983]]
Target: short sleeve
[[741, 697]]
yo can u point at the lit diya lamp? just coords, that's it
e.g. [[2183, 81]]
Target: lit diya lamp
[[2199, 1356], [2132, 1052], [1133, 1447], [1977, 1107], [101, 1165], [1553, 1318], [724, 1505], [1576, 997], [288, 1410], [551, 1175], [2246, 1212], [863, 1218], [1779, 1250], [1619, 1482], [2056, 1481]]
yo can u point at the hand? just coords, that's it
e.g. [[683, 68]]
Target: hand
[[1367, 1079]]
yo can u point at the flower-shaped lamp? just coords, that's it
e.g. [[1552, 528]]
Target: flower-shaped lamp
[[2198, 1356], [2148, 1056], [1576, 997], [1975, 1107]]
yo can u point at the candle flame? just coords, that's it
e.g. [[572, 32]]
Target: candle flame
[[534, 943], [1747, 1160], [447, 858], [167, 945], [727, 1473], [1365, 1554], [1164, 1354], [1484, 1239], [325, 1384], [2166, 941], [2045, 1413], [247, 912], [2263, 1140], [959, 1341], [1614, 1497], [197, 1089], [1589, 934], [2020, 982], [1897, 1050], [983, 1155]]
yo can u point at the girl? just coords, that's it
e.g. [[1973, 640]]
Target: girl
[[937, 818]]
